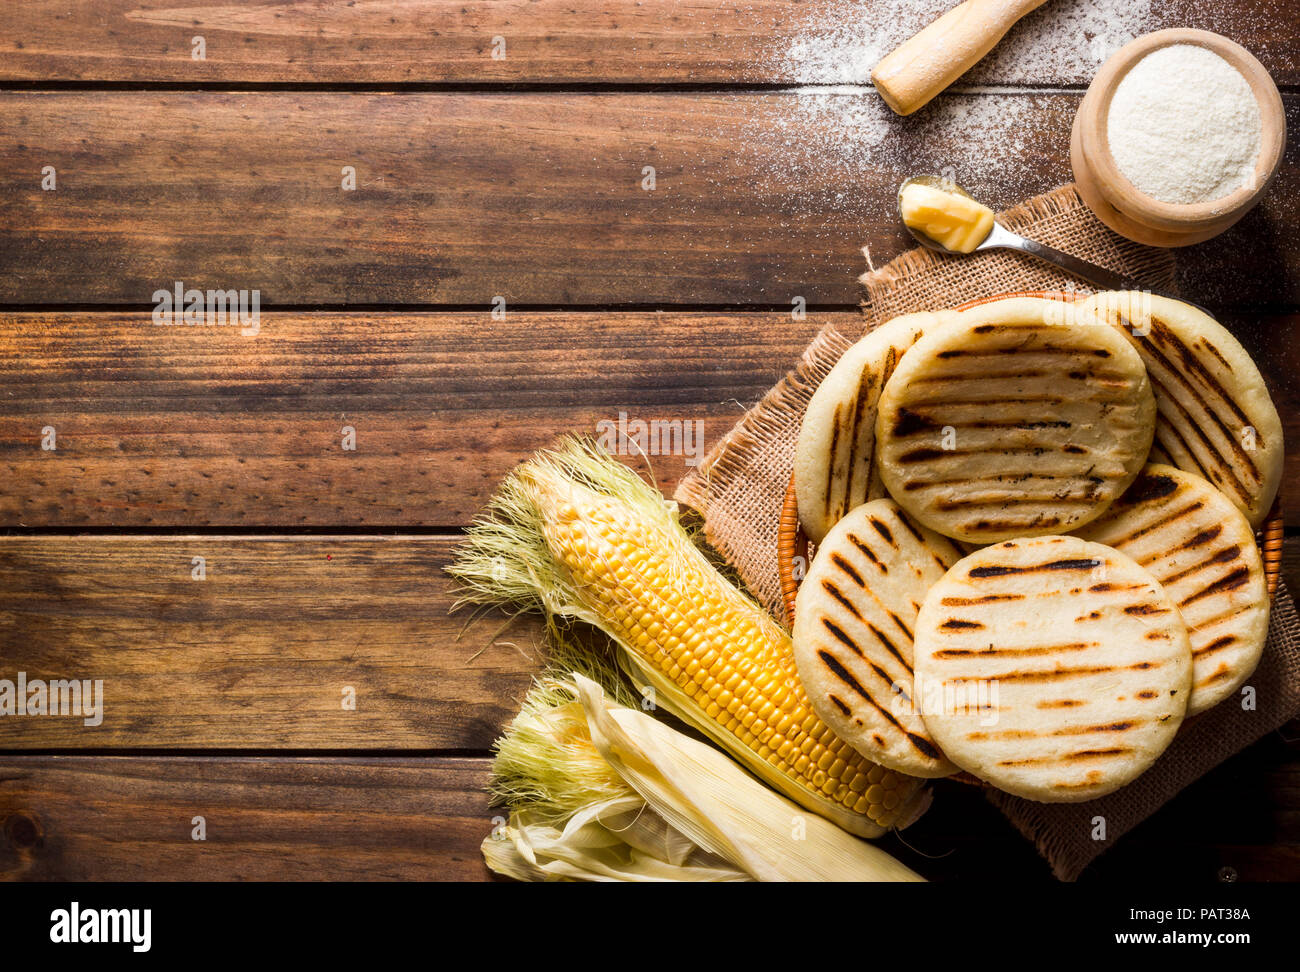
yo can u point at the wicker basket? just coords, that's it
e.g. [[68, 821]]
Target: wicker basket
[[792, 545]]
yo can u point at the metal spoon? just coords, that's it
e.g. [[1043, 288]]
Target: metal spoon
[[1001, 238]]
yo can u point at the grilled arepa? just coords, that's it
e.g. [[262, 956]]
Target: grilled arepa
[[1020, 417], [853, 625], [1216, 418], [1202, 550], [1055, 668], [833, 468]]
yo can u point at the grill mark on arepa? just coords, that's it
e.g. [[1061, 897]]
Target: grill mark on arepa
[[1145, 610], [1002, 570], [924, 745], [924, 455], [1007, 526], [828, 498], [1060, 674], [1110, 395], [889, 645], [1167, 428], [1218, 675], [1052, 349], [834, 592], [906, 520], [908, 423], [1202, 538], [843, 674], [950, 402], [904, 628], [847, 568], [1160, 332], [891, 362], [992, 652], [841, 636], [1078, 756], [885, 609], [1148, 487], [1019, 478], [868, 552], [1227, 615], [865, 383], [1014, 499], [1225, 556], [1123, 726], [1205, 343], [1164, 521], [1229, 581], [1218, 644], [957, 624], [847, 677], [883, 531], [996, 479], [951, 376], [1076, 371], [983, 599], [1223, 468]]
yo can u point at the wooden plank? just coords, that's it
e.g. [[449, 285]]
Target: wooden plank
[[261, 653], [256, 656], [190, 426], [694, 41], [132, 819], [201, 427], [533, 197]]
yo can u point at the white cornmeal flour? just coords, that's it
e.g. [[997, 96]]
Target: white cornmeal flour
[[1184, 126], [833, 129]]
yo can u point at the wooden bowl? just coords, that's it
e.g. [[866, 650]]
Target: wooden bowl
[[1134, 214]]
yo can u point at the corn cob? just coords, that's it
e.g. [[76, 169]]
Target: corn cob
[[590, 540]]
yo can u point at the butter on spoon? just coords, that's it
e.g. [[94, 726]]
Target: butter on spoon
[[943, 217]]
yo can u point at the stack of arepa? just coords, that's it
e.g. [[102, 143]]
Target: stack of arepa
[[1035, 538]]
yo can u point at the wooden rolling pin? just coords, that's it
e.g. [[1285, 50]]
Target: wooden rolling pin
[[910, 75]]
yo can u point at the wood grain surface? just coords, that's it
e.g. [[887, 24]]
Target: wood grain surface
[[536, 198], [673, 41], [176, 425], [257, 655], [262, 652], [200, 426], [522, 177], [133, 819]]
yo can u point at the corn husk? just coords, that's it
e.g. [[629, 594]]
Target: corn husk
[[603, 791], [506, 561]]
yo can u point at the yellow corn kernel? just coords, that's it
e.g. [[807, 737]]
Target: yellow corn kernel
[[648, 587]]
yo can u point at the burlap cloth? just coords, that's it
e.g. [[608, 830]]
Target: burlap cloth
[[740, 486]]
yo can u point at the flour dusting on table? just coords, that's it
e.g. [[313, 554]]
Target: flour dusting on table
[[1064, 42], [834, 126]]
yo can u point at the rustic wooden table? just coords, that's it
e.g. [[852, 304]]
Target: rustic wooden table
[[501, 154]]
